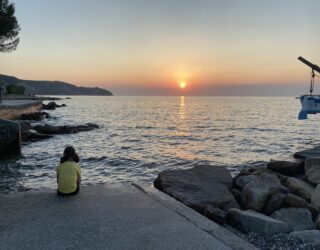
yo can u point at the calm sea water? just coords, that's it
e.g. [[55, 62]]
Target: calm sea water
[[141, 136]]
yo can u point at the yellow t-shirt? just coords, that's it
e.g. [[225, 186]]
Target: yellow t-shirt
[[67, 176]]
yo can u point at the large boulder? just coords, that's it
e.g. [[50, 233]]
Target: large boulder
[[256, 193], [10, 138], [312, 168], [50, 106], [310, 237], [198, 187], [298, 219], [318, 222], [315, 198], [215, 214], [251, 221], [300, 188], [292, 200], [242, 180], [287, 168], [274, 203]]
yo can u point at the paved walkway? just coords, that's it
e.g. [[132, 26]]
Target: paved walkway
[[117, 216], [18, 103]]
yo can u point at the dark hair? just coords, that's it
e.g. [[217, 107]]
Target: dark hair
[[69, 153]]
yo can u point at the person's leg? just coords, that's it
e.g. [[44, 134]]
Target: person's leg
[[75, 192]]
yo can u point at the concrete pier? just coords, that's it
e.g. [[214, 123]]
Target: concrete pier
[[117, 216], [11, 109]]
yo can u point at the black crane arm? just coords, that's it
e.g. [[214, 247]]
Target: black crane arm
[[311, 65]]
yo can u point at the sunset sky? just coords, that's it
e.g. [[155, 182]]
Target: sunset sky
[[147, 47]]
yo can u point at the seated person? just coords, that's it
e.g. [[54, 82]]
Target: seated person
[[68, 173]]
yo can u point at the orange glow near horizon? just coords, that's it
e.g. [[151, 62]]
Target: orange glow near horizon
[[183, 85]]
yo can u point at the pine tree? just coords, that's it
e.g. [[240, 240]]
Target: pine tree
[[9, 27]]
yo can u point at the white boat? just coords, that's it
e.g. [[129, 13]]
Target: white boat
[[310, 105]]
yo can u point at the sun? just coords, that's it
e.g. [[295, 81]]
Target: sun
[[182, 85]]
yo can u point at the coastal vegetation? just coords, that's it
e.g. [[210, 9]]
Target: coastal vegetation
[[50, 87], [9, 27]]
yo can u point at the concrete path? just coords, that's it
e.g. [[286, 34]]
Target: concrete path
[[117, 216], [18, 103]]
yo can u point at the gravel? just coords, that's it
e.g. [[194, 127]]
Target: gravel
[[280, 241]]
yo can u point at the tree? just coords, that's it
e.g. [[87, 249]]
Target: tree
[[15, 89], [9, 27]]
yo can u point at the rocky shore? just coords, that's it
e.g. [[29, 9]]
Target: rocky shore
[[275, 206], [31, 133]]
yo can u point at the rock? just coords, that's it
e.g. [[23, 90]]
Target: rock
[[313, 210], [49, 106], [274, 203], [312, 168], [287, 168], [256, 193], [50, 129], [309, 153], [34, 116], [31, 136], [237, 195], [298, 219], [215, 214], [242, 180], [10, 138], [318, 222], [315, 198], [300, 188], [251, 221], [198, 187], [292, 200], [310, 237]]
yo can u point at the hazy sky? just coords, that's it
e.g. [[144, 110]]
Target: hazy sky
[[148, 46]]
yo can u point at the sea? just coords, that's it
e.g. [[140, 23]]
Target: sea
[[141, 136]]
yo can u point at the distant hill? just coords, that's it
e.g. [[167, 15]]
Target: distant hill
[[52, 87]]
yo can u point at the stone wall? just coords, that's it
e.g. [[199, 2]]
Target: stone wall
[[13, 112]]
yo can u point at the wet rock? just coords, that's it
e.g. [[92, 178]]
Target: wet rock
[[298, 219], [242, 180], [198, 187], [274, 203], [300, 188], [312, 168], [251, 221], [10, 137], [256, 193], [50, 129], [215, 214], [315, 198], [37, 116], [287, 168], [49, 106], [311, 237], [52, 106], [25, 125], [31, 136]]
